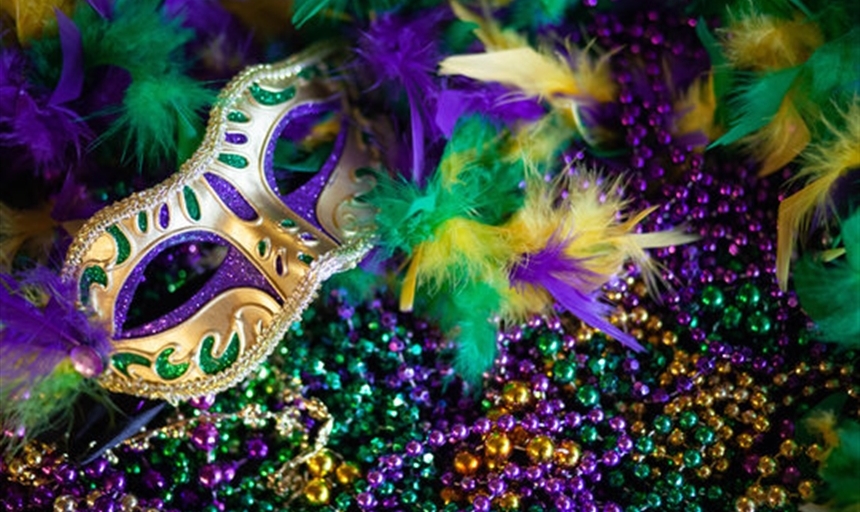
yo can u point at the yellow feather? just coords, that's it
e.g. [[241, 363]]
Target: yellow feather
[[825, 163], [697, 106], [410, 282], [519, 303], [30, 230], [589, 219], [463, 249], [538, 142], [824, 423], [33, 16], [533, 73], [488, 31], [781, 140], [762, 42]]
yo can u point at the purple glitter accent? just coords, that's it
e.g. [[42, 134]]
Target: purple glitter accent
[[234, 272], [236, 138], [164, 216], [303, 200], [231, 197]]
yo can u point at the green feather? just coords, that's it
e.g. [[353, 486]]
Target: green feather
[[466, 315], [356, 286], [536, 14], [828, 292], [49, 405], [757, 103], [486, 189], [719, 67], [339, 11], [833, 68], [160, 114], [841, 470]]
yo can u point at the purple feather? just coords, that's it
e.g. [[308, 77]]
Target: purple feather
[[34, 340], [222, 46], [404, 53], [104, 8], [72, 76], [39, 133], [492, 100], [571, 284]]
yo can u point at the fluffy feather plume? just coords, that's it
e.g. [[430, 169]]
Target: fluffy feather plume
[[696, 109], [403, 53], [32, 17], [828, 291], [572, 249], [466, 314], [161, 107], [781, 140], [840, 462], [757, 41], [824, 164], [488, 31], [23, 229], [449, 230], [566, 279], [447, 226], [47, 347], [567, 82], [42, 128]]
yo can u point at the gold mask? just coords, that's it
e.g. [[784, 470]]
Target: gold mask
[[280, 244]]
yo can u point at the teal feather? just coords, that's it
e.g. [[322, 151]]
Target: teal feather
[[828, 292], [722, 73], [160, 115], [841, 470], [466, 315], [757, 103], [486, 189]]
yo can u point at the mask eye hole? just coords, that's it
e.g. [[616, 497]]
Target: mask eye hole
[[307, 143], [172, 278]]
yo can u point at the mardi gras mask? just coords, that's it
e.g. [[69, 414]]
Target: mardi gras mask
[[281, 241]]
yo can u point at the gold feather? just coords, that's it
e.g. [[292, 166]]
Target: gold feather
[[34, 16], [488, 30], [825, 163], [763, 42], [781, 140], [31, 231], [697, 106]]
